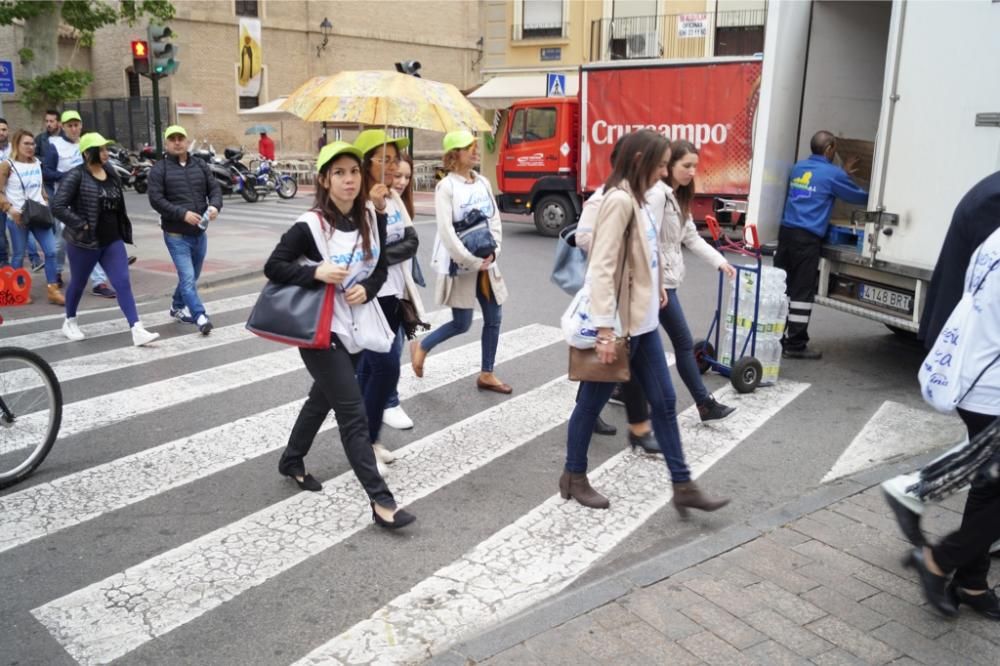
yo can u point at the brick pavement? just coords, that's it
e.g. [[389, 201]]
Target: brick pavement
[[826, 587]]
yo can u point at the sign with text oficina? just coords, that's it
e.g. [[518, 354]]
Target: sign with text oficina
[[15, 285]]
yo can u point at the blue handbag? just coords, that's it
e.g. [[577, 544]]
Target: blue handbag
[[474, 232], [571, 262]]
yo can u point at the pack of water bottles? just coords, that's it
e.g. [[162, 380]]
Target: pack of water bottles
[[770, 321]]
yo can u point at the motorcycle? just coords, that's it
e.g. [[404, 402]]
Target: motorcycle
[[268, 180], [229, 176]]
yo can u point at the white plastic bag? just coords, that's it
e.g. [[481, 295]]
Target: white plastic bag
[[577, 325]]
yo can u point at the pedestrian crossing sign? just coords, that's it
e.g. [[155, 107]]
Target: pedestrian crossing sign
[[555, 85]]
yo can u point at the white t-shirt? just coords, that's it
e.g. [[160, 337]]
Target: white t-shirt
[[5, 152], [983, 326], [395, 227], [28, 186], [69, 154], [466, 196], [650, 229]]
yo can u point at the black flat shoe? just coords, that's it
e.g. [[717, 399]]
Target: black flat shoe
[[710, 410], [602, 427], [401, 518], [909, 521], [985, 604], [934, 586], [308, 482], [645, 442]]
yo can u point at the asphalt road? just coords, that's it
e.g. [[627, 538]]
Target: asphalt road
[[158, 530]]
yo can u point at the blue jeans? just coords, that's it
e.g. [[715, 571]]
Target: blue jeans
[[650, 367], [98, 276], [673, 322], [188, 254], [4, 256], [33, 250], [378, 376], [364, 370], [461, 321], [19, 240]]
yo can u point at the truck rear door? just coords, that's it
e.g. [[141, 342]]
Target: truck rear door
[[938, 138]]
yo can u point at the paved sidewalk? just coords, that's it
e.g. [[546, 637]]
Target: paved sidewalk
[[820, 582]]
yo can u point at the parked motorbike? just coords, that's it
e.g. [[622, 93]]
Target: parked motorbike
[[229, 176], [268, 180]]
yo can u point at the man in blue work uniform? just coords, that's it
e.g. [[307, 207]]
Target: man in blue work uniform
[[814, 184]]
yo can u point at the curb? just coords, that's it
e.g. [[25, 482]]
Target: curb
[[567, 606]]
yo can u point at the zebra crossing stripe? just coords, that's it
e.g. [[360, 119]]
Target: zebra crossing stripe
[[543, 551], [46, 508], [129, 357], [115, 326], [112, 617]]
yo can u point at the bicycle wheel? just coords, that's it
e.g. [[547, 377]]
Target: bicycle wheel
[[30, 413]]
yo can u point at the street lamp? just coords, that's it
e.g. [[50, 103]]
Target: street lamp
[[325, 27]]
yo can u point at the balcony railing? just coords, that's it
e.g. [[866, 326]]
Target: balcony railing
[[690, 35], [546, 31]]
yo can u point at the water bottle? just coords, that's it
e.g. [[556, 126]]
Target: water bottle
[[203, 224]]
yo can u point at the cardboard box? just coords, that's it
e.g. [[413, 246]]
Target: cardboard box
[[864, 152]]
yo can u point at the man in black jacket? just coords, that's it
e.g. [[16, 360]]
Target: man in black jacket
[[187, 197]]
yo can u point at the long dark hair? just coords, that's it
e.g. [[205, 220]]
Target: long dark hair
[[407, 195], [370, 181], [359, 211], [685, 194], [639, 153]]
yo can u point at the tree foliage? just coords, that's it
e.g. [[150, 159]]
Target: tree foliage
[[47, 84]]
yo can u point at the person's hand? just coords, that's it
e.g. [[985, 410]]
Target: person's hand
[[15, 215], [213, 213], [487, 262], [356, 295], [664, 299], [729, 271], [330, 273], [851, 165], [607, 352], [377, 195], [192, 218]]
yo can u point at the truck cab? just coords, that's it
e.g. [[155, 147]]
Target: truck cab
[[539, 161]]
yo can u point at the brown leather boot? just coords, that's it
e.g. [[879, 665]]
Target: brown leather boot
[[689, 496], [55, 296], [578, 487]]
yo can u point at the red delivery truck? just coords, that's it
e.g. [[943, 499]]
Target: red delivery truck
[[555, 151]]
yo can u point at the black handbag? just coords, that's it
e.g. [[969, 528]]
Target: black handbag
[[35, 214], [293, 315]]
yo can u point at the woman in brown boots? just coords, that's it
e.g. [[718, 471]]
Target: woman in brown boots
[[625, 231], [21, 180]]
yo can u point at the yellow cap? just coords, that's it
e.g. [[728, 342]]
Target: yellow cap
[[70, 115], [174, 129], [371, 139], [92, 140], [458, 139], [331, 150]]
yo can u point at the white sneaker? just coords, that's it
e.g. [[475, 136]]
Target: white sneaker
[[71, 329], [141, 336], [383, 454], [383, 471], [395, 417], [896, 487]]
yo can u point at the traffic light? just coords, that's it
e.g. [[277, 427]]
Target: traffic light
[[162, 53], [411, 67], [140, 57]]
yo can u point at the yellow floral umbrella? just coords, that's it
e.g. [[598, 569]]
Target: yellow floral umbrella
[[384, 98]]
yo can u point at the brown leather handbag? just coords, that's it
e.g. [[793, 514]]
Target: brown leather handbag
[[584, 366]]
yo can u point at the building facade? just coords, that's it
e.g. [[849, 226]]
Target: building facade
[[294, 40]]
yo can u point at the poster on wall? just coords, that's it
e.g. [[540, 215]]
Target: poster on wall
[[251, 60], [690, 26]]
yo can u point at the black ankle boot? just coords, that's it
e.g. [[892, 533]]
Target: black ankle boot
[[602, 427]]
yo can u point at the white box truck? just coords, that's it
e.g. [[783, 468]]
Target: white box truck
[[920, 79]]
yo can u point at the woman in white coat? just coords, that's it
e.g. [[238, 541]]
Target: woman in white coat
[[463, 278]]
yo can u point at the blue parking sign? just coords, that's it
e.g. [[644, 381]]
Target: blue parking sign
[[6, 76]]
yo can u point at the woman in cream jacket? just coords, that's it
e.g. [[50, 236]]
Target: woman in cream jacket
[[463, 278], [627, 274]]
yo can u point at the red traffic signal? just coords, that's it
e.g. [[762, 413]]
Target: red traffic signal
[[140, 56]]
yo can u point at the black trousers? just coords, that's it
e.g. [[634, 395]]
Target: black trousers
[[967, 550], [335, 387], [798, 255]]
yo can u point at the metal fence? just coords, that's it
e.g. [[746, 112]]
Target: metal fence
[[127, 120], [690, 35]]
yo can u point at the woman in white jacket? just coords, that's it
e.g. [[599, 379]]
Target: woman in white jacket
[[471, 279]]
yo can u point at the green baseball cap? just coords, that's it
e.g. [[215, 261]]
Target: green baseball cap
[[371, 139], [332, 150], [92, 140], [457, 139], [70, 115], [174, 129]]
